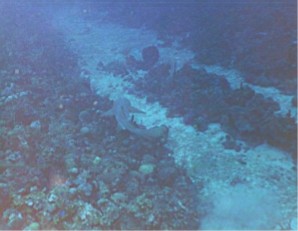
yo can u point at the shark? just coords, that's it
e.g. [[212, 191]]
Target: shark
[[122, 110]]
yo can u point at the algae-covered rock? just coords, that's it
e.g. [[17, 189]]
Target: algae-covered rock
[[85, 130], [14, 218], [33, 226], [87, 215], [147, 168], [140, 205], [110, 212], [96, 160]]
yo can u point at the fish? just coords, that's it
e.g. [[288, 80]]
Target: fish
[[122, 110]]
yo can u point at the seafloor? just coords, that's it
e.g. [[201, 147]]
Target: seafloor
[[227, 160]]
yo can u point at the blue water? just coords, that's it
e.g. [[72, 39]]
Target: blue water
[[148, 115]]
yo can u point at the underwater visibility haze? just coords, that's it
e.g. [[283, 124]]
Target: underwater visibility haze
[[148, 115]]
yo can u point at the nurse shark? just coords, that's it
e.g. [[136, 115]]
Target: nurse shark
[[122, 110]]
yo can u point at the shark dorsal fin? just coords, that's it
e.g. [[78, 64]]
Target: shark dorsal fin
[[134, 110]]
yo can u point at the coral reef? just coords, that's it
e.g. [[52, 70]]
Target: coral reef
[[65, 166], [243, 113]]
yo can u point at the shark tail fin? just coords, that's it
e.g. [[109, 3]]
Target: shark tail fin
[[108, 113]]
